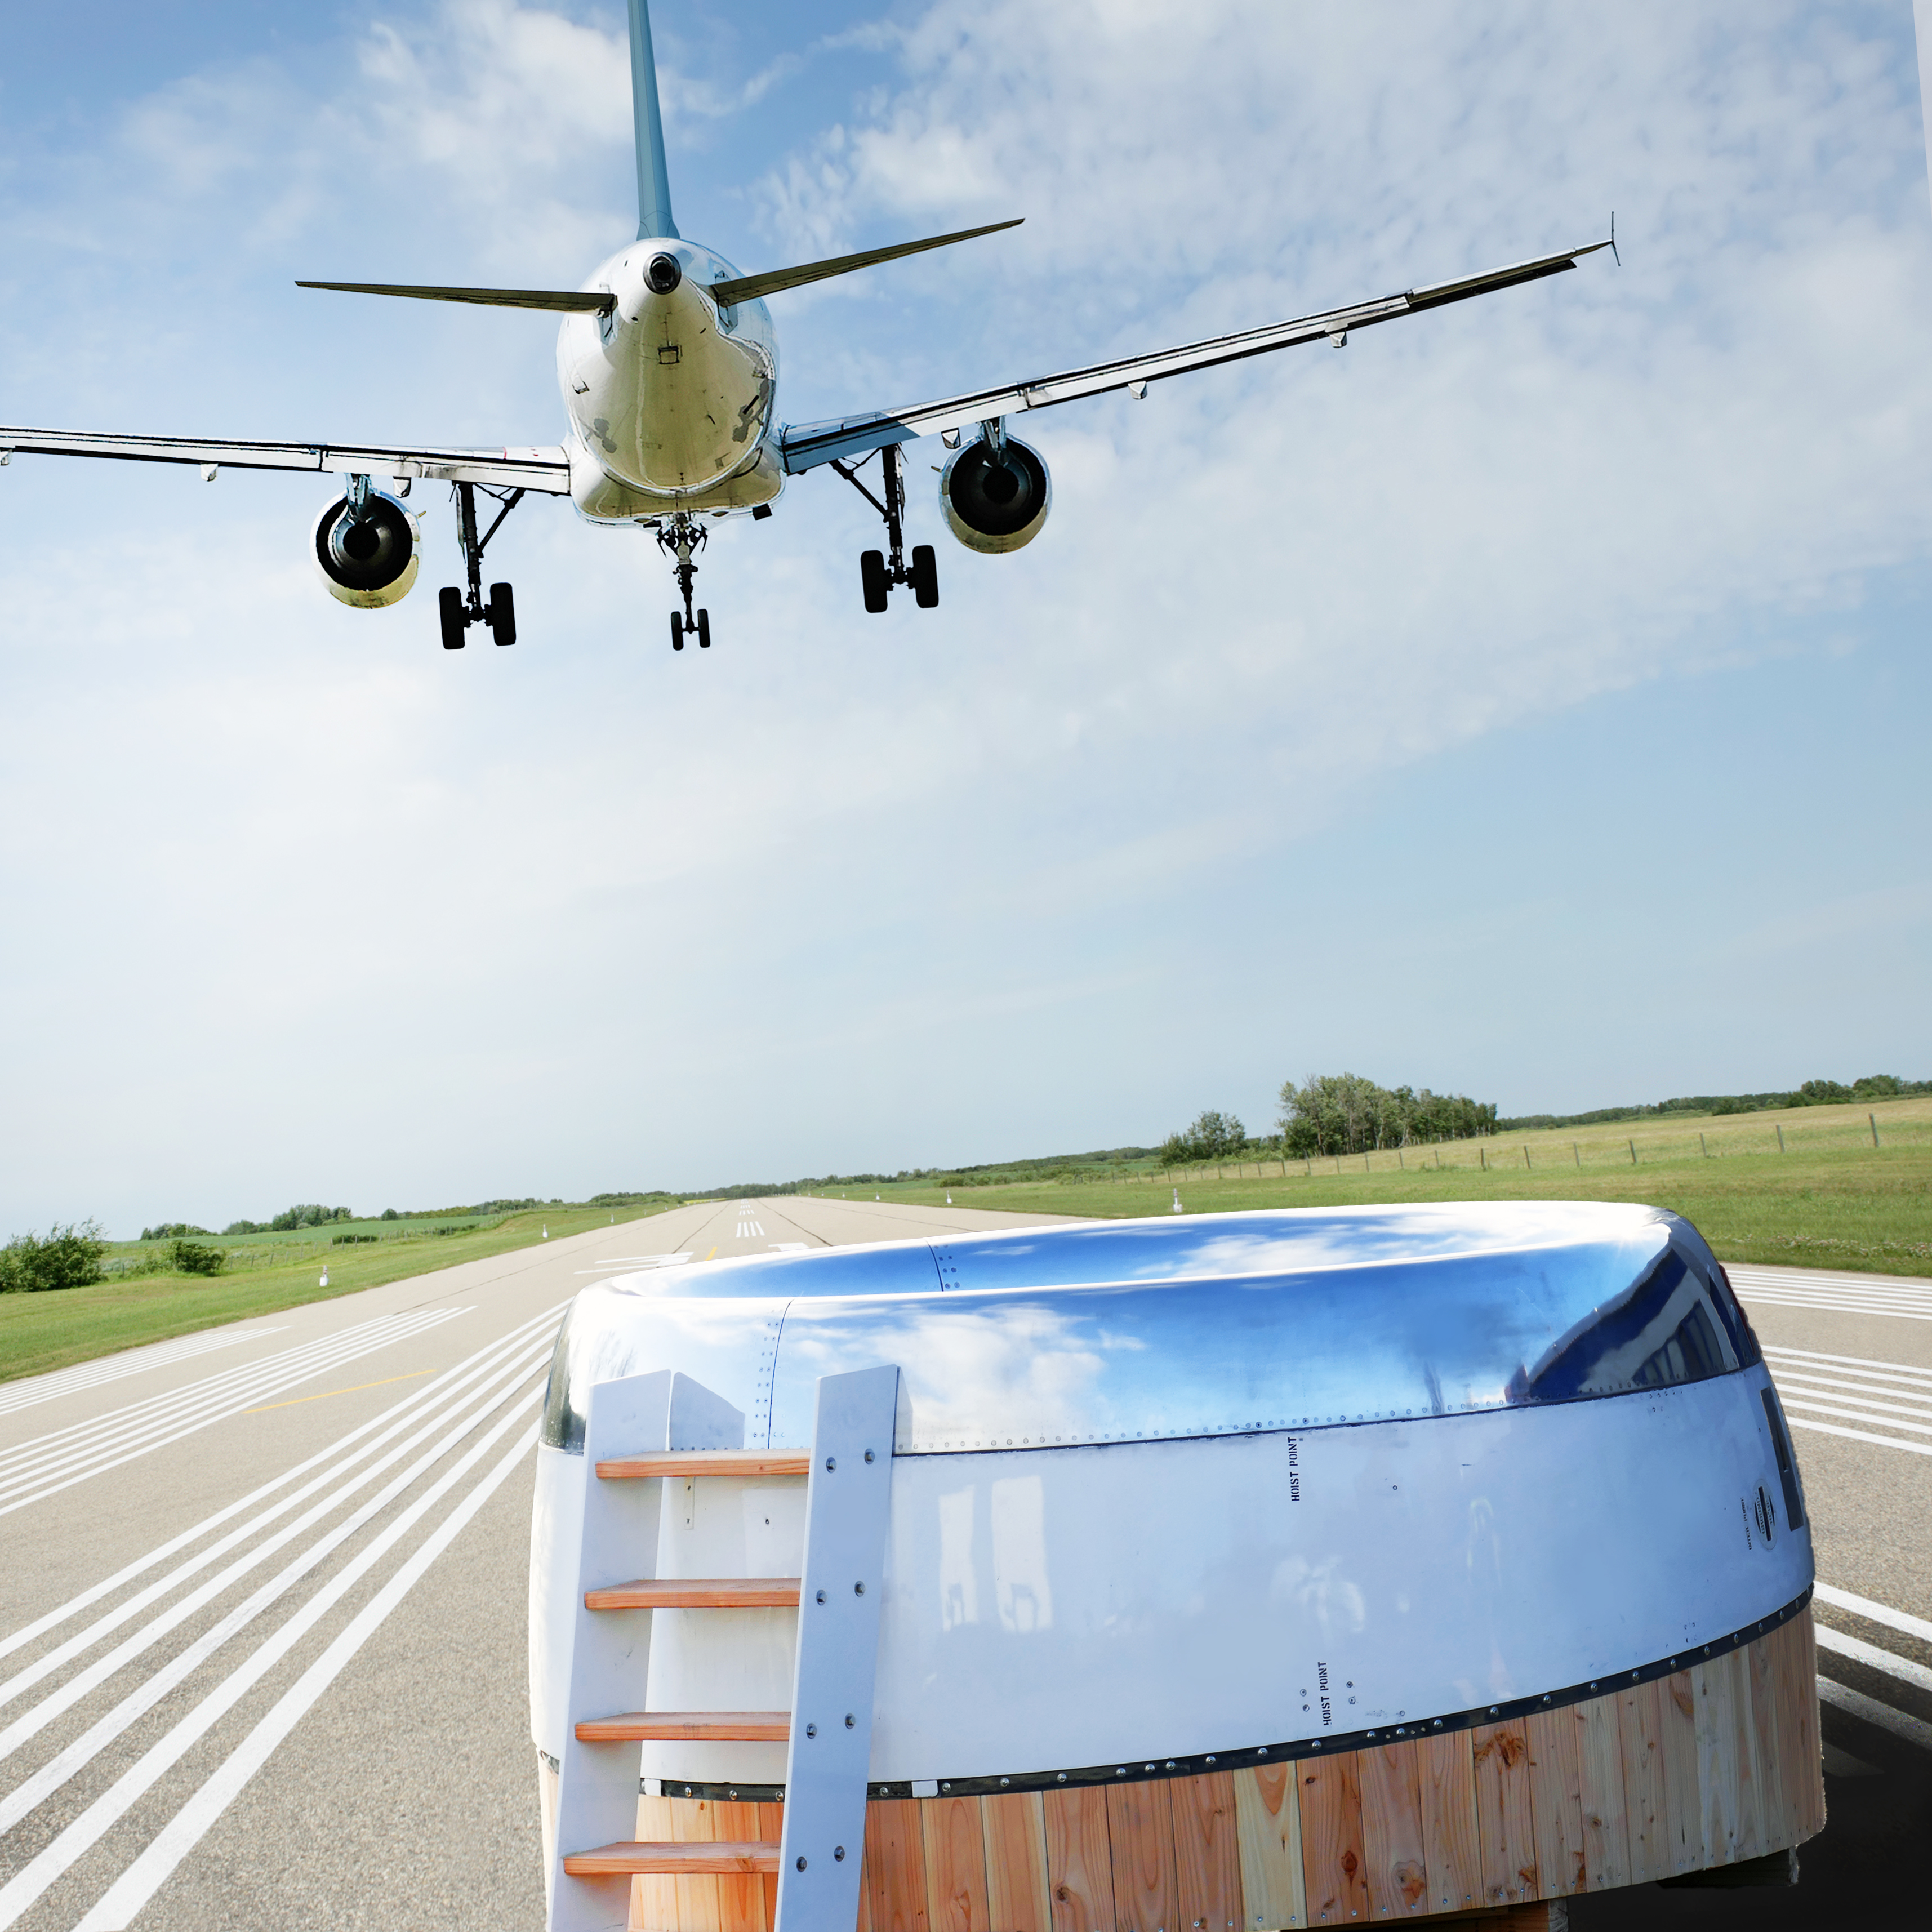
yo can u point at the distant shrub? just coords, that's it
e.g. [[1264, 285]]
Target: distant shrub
[[191, 1258], [307, 1214], [169, 1231], [349, 1240], [390, 1214], [246, 1228], [70, 1257]]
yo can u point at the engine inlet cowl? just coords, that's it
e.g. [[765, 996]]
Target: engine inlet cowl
[[995, 503], [372, 562]]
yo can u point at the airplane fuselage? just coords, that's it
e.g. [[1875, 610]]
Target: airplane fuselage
[[670, 396]]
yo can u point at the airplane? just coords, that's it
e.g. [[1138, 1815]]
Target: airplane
[[668, 361]]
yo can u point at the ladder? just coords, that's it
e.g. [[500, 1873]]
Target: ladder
[[639, 1433]]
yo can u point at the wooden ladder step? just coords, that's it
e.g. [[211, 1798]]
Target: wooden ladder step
[[698, 1727], [698, 1593], [682, 1861], [709, 1462]]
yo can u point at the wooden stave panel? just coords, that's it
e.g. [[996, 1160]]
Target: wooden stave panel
[[954, 1839], [1329, 1792], [1556, 1803], [654, 1900], [1079, 1859], [741, 1901], [1640, 1740], [771, 1831], [1452, 1844], [1206, 1857], [1017, 1896], [1394, 1854], [1140, 1834], [1268, 1824], [1505, 1822], [1600, 1787], [895, 1869], [1683, 1790]]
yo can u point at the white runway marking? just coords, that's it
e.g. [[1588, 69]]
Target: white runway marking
[[1903, 1669], [30, 1390], [749, 1230], [1849, 1294], [488, 1397], [50, 1463], [635, 1261], [1892, 1398]]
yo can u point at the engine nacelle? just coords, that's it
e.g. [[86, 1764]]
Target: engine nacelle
[[373, 562], [995, 502]]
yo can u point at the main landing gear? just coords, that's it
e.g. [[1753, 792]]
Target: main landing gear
[[460, 612], [877, 573], [682, 538]]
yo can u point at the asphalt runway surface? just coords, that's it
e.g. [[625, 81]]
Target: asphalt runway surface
[[263, 1619]]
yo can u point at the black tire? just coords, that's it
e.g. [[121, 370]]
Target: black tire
[[924, 575], [503, 614], [676, 631], [872, 576], [704, 630], [455, 623]]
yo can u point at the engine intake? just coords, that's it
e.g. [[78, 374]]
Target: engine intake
[[372, 562], [995, 501]]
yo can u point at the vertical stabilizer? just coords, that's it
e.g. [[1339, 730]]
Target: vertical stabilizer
[[653, 178]]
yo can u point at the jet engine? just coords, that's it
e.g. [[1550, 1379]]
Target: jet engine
[[996, 493], [368, 547]]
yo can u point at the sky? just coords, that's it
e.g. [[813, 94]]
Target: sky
[[1529, 700]]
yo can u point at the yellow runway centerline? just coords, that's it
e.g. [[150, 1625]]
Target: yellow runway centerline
[[413, 1376]]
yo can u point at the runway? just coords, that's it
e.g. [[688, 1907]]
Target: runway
[[262, 1641]]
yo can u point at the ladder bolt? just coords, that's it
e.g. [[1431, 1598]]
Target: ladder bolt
[[858, 1589], [868, 1455], [837, 1851], [851, 1722], [832, 1462], [811, 1730], [821, 1596], [801, 1865]]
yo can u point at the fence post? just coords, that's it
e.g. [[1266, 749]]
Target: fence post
[[1632, 1148], [1874, 1119], [1525, 1158], [1482, 1158], [1780, 1135], [1701, 1147], [1577, 1152]]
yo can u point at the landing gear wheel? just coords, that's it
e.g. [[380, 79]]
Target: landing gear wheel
[[704, 630], [503, 614], [454, 622], [872, 576], [676, 631], [924, 577]]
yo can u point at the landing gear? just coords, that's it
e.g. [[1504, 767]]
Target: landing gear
[[682, 538], [878, 573], [458, 612]]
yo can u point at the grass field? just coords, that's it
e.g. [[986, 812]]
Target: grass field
[[1830, 1199], [52, 1330]]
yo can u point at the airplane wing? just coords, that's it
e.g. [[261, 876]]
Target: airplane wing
[[545, 469], [804, 445]]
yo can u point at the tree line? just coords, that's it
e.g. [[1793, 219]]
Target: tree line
[[1334, 1114]]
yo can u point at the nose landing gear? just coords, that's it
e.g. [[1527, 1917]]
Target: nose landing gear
[[682, 538], [459, 613], [878, 574]]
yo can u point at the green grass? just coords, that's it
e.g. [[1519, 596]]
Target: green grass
[[53, 1331], [1831, 1200]]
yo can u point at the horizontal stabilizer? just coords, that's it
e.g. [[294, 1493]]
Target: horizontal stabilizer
[[751, 288], [558, 300]]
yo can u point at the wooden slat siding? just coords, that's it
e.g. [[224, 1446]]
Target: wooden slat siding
[[1452, 1845], [771, 1828], [1268, 1829], [1719, 1775], [1329, 1790], [1775, 1823], [1807, 1762], [895, 1865], [1079, 1860], [955, 1863], [1556, 1802], [1749, 1755], [698, 1593], [1640, 1738], [1394, 1855], [707, 1462], [1015, 1825], [741, 1901], [1599, 1764], [693, 1821], [654, 1900], [1207, 1856], [1683, 1800], [1140, 1834], [1505, 1826]]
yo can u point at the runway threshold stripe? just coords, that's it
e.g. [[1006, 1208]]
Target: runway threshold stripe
[[1856, 1704], [151, 1870], [27, 1886], [1859, 1436], [388, 1423], [38, 1787], [125, 1652], [30, 1391], [1902, 1620], [1893, 1371], [113, 1455], [1856, 1649], [1881, 1413]]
